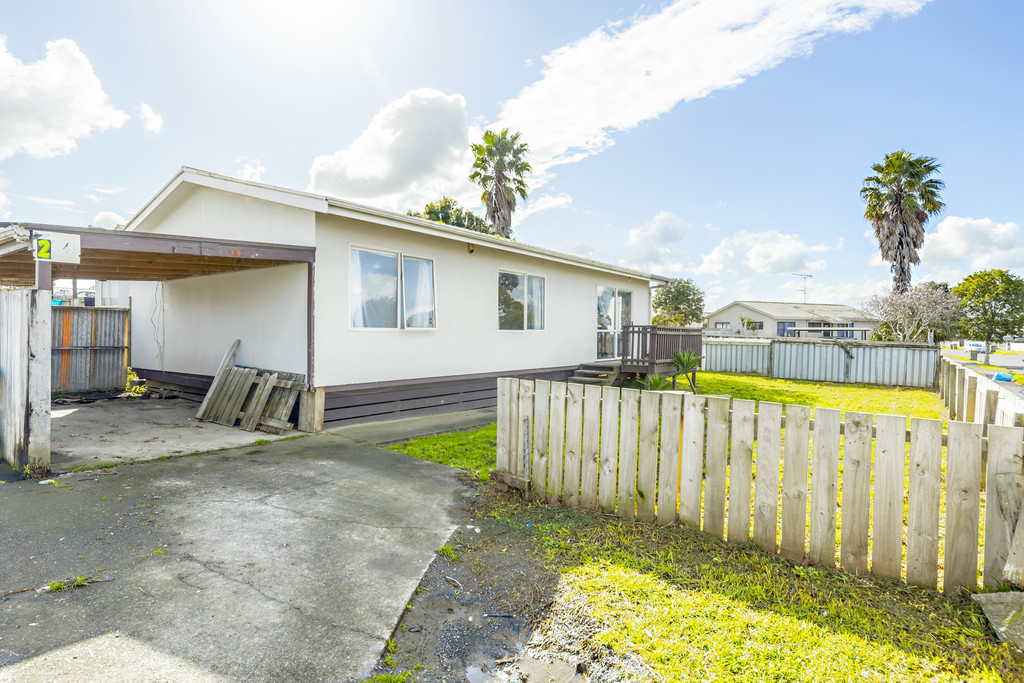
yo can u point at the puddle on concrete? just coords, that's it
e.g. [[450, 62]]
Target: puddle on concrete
[[475, 674]]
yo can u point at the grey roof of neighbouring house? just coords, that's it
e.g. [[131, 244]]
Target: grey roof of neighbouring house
[[781, 310]]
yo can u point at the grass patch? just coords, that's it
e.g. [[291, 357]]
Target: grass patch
[[472, 451], [857, 397], [448, 551], [695, 608], [403, 677]]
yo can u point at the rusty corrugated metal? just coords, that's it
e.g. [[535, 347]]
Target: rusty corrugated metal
[[90, 349]]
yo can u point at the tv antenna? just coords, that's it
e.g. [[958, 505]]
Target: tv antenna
[[804, 276]]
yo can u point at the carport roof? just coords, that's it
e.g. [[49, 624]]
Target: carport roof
[[121, 255]]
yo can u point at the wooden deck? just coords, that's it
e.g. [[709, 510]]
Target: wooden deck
[[648, 349]]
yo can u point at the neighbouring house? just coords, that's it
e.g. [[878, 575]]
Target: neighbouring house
[[782, 319], [394, 315]]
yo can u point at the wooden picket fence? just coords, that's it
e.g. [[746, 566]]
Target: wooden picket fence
[[865, 491]]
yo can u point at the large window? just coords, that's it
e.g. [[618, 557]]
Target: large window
[[520, 301], [785, 329], [391, 291]]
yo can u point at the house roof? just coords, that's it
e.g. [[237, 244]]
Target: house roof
[[187, 180], [116, 255], [781, 310]]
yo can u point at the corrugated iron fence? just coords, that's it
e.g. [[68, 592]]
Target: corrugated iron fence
[[24, 377], [826, 360], [90, 348]]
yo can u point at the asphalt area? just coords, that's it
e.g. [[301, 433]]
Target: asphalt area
[[291, 560]]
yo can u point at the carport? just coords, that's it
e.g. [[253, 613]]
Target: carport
[[32, 256]]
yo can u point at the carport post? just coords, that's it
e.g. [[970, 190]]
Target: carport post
[[37, 416]]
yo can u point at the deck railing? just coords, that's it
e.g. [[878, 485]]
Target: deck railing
[[649, 348]]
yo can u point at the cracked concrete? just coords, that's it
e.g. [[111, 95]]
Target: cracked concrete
[[292, 560]]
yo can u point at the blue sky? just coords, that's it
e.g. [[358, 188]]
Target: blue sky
[[723, 140]]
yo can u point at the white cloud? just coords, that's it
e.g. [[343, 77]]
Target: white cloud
[[48, 105], [151, 121], [628, 72], [5, 203], [107, 219], [51, 202], [762, 252], [104, 190], [650, 244], [971, 244], [414, 151], [92, 197], [542, 203], [250, 169]]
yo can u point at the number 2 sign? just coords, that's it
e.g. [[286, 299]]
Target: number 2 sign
[[58, 247]]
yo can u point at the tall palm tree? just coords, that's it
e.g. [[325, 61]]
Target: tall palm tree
[[500, 169], [900, 198]]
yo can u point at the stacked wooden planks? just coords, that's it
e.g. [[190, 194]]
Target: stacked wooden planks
[[258, 399]]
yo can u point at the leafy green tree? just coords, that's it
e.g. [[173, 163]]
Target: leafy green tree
[[992, 304], [450, 212], [679, 303], [500, 169], [899, 198]]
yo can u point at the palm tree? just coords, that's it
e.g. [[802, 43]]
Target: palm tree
[[500, 169], [900, 198]]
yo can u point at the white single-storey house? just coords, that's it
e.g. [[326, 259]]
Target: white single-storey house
[[782, 319], [393, 314]]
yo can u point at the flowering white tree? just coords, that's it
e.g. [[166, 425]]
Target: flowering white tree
[[908, 317]]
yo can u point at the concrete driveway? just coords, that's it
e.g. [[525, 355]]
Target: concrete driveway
[[286, 561]]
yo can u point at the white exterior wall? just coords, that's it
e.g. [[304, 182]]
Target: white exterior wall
[[732, 315], [222, 215], [187, 325], [467, 339]]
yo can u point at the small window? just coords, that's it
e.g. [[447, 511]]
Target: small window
[[721, 326], [758, 325], [376, 280], [520, 301]]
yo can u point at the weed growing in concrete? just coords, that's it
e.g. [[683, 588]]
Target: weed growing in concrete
[[36, 471], [404, 677], [391, 646], [448, 552], [70, 584], [390, 661], [261, 442]]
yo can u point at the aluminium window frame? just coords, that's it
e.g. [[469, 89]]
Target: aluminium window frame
[[400, 327], [526, 299]]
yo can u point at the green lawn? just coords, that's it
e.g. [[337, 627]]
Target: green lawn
[[694, 608], [473, 451], [857, 397]]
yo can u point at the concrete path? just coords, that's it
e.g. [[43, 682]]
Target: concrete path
[[288, 561]]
